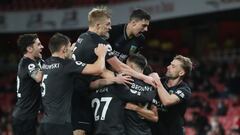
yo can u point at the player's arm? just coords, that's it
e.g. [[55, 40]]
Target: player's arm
[[149, 114], [120, 67], [165, 98], [99, 65], [37, 75], [111, 79]]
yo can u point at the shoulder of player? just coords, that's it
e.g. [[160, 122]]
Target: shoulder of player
[[83, 37], [27, 62], [140, 82], [185, 85]]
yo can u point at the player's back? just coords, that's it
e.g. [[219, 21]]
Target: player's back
[[57, 88], [108, 112], [134, 123]]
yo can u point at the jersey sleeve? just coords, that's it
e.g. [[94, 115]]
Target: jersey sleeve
[[183, 93], [110, 53], [32, 68], [75, 66]]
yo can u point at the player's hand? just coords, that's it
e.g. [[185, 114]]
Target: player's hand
[[131, 106], [156, 78], [101, 50], [150, 80], [123, 79]]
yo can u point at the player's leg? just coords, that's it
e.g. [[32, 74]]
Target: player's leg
[[17, 126], [24, 127], [82, 121], [82, 117]]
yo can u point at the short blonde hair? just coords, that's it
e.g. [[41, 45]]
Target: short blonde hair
[[186, 63], [97, 14]]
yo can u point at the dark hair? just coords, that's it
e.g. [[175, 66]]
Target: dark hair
[[139, 14], [25, 41], [139, 60], [57, 41], [147, 70]]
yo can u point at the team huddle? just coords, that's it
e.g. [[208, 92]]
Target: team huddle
[[99, 85]]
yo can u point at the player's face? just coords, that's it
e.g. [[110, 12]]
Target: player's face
[[139, 27], [104, 27], [37, 48], [174, 70], [69, 50]]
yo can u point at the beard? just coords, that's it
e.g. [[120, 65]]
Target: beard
[[106, 36], [171, 76]]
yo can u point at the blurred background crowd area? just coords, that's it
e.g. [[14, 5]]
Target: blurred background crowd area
[[211, 40]]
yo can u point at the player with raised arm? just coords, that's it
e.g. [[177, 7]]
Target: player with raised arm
[[109, 100], [29, 76], [57, 83], [173, 95]]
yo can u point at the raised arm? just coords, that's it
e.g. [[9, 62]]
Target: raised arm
[[98, 66], [120, 67], [165, 98], [111, 78]]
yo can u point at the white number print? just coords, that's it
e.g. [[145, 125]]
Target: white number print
[[18, 85], [96, 103], [43, 85]]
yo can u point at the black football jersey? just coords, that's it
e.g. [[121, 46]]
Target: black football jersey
[[57, 88], [84, 51], [122, 45], [28, 90], [108, 106], [174, 114], [134, 123], [85, 45]]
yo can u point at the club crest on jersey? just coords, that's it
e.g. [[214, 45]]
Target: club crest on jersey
[[31, 67], [132, 49], [171, 91]]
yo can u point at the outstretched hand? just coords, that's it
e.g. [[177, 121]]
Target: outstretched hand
[[123, 79]]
